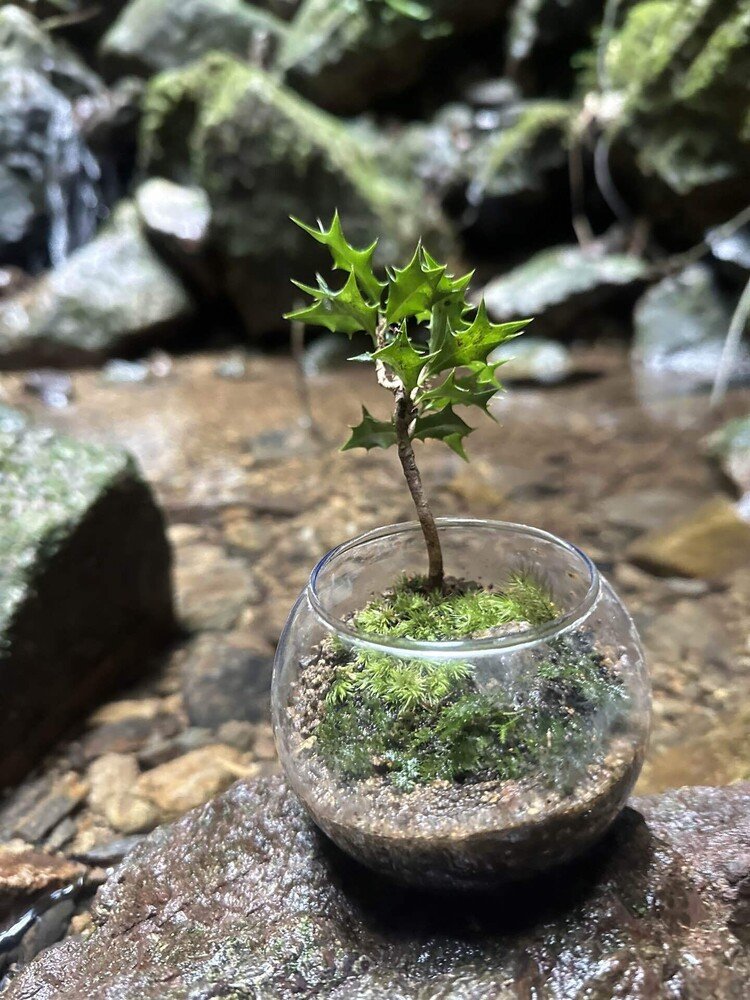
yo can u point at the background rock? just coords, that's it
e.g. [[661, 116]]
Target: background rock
[[49, 179], [657, 908], [85, 589], [559, 286], [262, 154], [110, 296], [227, 678], [152, 35]]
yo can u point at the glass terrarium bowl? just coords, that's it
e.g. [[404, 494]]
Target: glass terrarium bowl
[[531, 757]]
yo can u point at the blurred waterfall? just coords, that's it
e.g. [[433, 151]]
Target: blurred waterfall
[[71, 183]]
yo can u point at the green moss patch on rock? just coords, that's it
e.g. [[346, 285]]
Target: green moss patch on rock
[[85, 590], [683, 71], [262, 153]]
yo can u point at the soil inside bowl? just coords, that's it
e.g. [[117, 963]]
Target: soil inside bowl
[[418, 752]]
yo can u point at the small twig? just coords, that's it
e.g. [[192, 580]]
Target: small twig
[[308, 421], [581, 225], [731, 347]]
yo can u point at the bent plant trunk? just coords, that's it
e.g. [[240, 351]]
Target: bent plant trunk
[[402, 418]]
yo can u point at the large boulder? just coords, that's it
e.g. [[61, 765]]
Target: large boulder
[[560, 288], [112, 296], [347, 56], [244, 898], [681, 324], [85, 591], [49, 179], [682, 74], [152, 35], [261, 153]]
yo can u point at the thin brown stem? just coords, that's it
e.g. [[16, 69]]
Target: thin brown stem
[[403, 416]]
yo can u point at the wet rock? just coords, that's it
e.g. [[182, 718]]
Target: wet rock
[[111, 853], [177, 221], [153, 35], [162, 751], [709, 543], [227, 677], [189, 781], [646, 510], [121, 372], [262, 154], [112, 295], [113, 779], [680, 328], [26, 872], [54, 388], [85, 591], [534, 359], [129, 735], [681, 76], [40, 806], [657, 906], [49, 179], [212, 588], [347, 57], [730, 444], [559, 286]]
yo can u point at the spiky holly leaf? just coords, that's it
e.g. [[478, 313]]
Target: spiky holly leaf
[[412, 288], [474, 342], [371, 433], [475, 389], [345, 256], [344, 311], [403, 360], [444, 426]]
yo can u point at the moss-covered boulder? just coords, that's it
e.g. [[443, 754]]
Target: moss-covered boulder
[[345, 56], [85, 592], [682, 71], [561, 286], [112, 296], [153, 35], [261, 153], [244, 898]]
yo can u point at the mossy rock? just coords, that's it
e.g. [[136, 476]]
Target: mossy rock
[[262, 153], [346, 56], [85, 592], [561, 286], [683, 73], [154, 35]]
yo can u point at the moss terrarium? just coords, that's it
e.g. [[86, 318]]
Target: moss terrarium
[[456, 702]]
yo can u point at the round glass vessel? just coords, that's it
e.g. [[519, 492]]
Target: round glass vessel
[[504, 753]]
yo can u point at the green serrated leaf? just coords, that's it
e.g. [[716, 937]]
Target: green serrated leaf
[[403, 360], [445, 426], [371, 433], [474, 342], [476, 389], [412, 289], [344, 311], [346, 257]]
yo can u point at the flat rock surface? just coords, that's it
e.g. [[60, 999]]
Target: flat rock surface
[[243, 898]]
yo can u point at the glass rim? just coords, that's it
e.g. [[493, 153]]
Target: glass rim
[[513, 641]]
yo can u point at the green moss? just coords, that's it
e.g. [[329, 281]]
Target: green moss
[[535, 143], [416, 721], [410, 612]]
